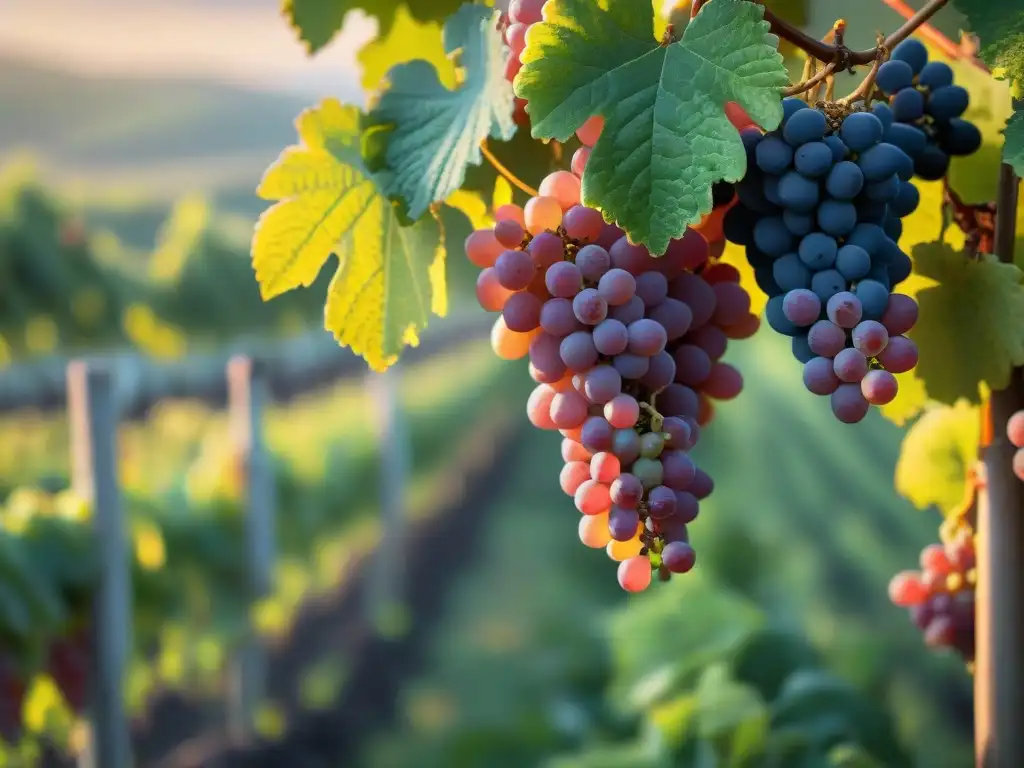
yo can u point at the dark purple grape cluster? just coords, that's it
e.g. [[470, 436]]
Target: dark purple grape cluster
[[924, 114], [819, 214]]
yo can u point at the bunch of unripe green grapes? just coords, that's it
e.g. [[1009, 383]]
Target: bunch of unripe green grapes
[[626, 350]]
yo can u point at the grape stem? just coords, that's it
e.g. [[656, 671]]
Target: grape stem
[[843, 57], [865, 89], [501, 169], [806, 85], [657, 420]]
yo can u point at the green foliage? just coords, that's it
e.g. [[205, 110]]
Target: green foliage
[[666, 138], [1013, 148], [977, 309], [390, 276], [434, 133], [1001, 29], [316, 22]]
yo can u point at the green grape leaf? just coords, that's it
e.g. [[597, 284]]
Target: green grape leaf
[[434, 133], [1013, 146], [408, 39], [936, 454], [1000, 25], [666, 138], [971, 330], [316, 22], [389, 278]]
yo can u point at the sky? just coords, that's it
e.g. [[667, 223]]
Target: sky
[[243, 42]]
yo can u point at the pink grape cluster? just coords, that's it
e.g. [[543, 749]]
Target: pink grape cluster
[[940, 597], [853, 359], [1015, 431], [626, 351], [522, 14]]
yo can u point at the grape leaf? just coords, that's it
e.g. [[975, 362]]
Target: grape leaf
[[1013, 148], [316, 22], [936, 454], [971, 329], [408, 39], [911, 399], [434, 133], [389, 276], [666, 138], [1000, 25]]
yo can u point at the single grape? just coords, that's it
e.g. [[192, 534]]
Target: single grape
[[797, 192], [593, 261], [773, 155], [874, 298], [558, 318], [732, 304], [592, 497], [772, 236], [589, 307], [803, 126], [837, 217], [680, 435], [827, 284], [883, 160], [578, 351], [959, 137], [899, 356], [508, 233], [622, 411], [573, 451], [894, 75], [711, 339], [776, 317], [626, 445], [652, 288], [738, 225], [545, 355], [678, 557], [510, 212], [906, 200], [813, 159], [879, 387], [935, 74], [723, 383], [483, 248], [870, 337], [602, 384], [514, 270], [522, 312], [688, 252], [908, 105], [947, 102], [546, 249], [622, 523], [906, 589], [651, 445], [572, 476], [801, 307], [617, 287], [538, 407], [1015, 429], [660, 373], [861, 130], [790, 273], [589, 132], [597, 434], [563, 186], [569, 409], [693, 291], [826, 339], [515, 36], [542, 214], [818, 251], [801, 348], [648, 471], [507, 344], [635, 574], [850, 365], [563, 279], [838, 147], [526, 12], [844, 181], [610, 337], [844, 309], [932, 163], [627, 491], [1018, 464], [646, 337], [909, 138], [799, 224], [579, 160], [678, 470], [676, 318], [883, 191], [661, 502], [819, 376], [848, 404], [593, 531], [631, 366], [853, 262], [692, 365], [490, 293], [629, 312]]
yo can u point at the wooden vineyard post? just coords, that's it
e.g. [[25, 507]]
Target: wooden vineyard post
[[93, 417], [999, 667], [385, 606], [247, 399]]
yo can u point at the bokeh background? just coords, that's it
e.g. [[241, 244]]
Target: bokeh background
[[132, 136]]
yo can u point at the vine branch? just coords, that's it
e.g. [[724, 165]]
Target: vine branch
[[500, 168], [842, 56]]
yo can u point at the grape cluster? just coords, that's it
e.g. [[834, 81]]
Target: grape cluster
[[522, 14], [1015, 431], [626, 351], [819, 214], [923, 116], [940, 596]]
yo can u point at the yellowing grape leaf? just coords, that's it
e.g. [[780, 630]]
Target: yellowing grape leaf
[[408, 39], [911, 399], [936, 454], [736, 256], [434, 133], [389, 276], [1000, 26], [473, 206], [971, 329], [666, 138], [316, 22]]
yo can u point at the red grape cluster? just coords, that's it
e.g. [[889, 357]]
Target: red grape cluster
[[1015, 431], [626, 351], [940, 596], [522, 14]]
